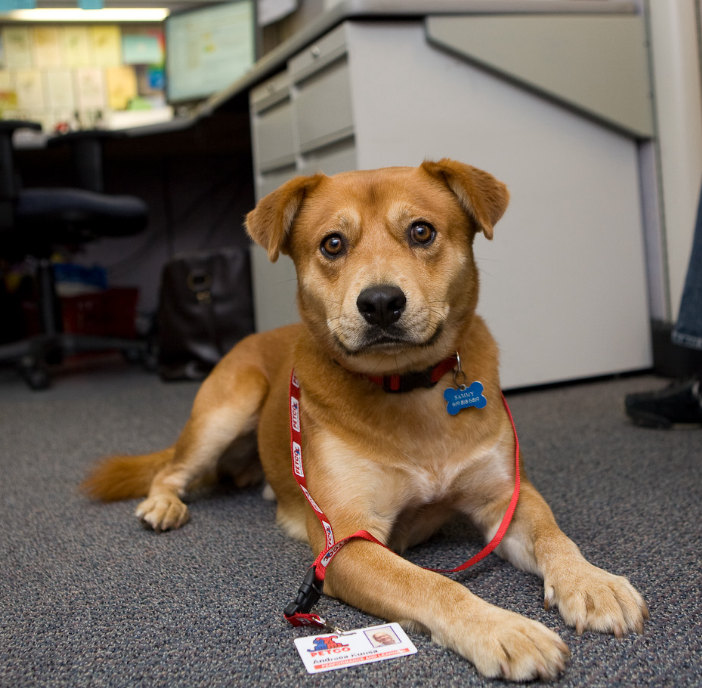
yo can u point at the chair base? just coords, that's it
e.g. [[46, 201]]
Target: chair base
[[34, 356]]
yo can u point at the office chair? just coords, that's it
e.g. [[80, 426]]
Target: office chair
[[34, 221]]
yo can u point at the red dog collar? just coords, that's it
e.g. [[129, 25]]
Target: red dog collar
[[397, 384]]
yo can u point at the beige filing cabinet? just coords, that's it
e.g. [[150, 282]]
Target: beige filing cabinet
[[563, 282]]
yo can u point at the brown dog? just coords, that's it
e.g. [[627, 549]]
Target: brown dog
[[387, 286]]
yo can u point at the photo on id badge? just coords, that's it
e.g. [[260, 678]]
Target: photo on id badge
[[382, 636]]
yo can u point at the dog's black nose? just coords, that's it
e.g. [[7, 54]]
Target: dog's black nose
[[381, 305]]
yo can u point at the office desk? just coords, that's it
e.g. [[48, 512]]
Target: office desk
[[563, 282]]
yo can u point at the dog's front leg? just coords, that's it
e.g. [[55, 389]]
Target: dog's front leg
[[499, 643], [587, 597], [225, 408]]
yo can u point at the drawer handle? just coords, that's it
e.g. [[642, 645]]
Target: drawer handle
[[315, 51]]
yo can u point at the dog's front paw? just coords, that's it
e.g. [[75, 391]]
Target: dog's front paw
[[502, 644], [163, 512], [592, 599]]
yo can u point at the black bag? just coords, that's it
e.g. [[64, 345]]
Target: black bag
[[205, 307]]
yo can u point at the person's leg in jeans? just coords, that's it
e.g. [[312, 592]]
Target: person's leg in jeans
[[681, 402]]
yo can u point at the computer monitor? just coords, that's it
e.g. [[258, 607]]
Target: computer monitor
[[208, 47]]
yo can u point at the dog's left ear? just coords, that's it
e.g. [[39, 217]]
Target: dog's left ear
[[270, 222], [482, 196]]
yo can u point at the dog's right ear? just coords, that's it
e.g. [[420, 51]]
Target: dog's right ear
[[270, 222]]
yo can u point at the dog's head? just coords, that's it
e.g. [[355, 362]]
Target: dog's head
[[384, 258]]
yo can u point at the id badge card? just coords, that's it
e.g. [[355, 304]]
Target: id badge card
[[341, 650]]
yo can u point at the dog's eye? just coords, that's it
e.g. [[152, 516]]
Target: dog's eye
[[333, 246], [421, 233]]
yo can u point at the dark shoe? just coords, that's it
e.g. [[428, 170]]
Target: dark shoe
[[678, 403]]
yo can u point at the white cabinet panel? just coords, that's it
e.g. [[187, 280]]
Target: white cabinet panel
[[563, 282]]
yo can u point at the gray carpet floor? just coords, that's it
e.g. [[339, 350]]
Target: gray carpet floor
[[89, 598]]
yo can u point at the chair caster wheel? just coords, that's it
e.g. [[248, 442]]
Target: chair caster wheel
[[132, 355], [36, 376]]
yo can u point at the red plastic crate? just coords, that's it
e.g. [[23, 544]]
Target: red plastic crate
[[109, 313]]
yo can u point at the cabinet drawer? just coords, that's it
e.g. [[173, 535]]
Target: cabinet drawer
[[322, 92], [320, 54], [272, 124], [322, 107], [340, 157], [270, 92]]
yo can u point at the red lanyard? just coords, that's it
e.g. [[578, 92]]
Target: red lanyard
[[297, 612]]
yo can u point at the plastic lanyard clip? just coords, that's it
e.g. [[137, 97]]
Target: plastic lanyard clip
[[308, 594]]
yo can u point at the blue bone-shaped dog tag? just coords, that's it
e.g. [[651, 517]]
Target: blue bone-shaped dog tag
[[464, 397]]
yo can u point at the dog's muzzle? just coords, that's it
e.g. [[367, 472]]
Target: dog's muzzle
[[382, 324]]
